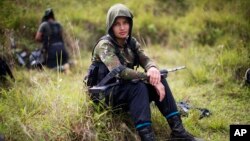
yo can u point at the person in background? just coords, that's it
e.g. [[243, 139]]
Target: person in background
[[50, 35], [116, 50]]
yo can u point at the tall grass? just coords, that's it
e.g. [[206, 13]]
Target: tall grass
[[206, 84], [46, 105], [41, 105]]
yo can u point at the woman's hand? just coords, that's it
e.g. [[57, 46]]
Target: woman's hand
[[38, 37], [160, 91], [155, 80], [154, 76]]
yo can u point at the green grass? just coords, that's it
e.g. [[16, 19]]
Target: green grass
[[199, 84], [44, 105]]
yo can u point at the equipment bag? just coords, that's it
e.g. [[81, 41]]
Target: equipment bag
[[36, 58], [99, 76]]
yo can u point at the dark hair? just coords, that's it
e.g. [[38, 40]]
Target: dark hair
[[48, 14]]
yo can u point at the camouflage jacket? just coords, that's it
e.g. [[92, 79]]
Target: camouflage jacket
[[105, 52]]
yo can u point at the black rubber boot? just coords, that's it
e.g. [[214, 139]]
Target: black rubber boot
[[147, 134], [178, 131]]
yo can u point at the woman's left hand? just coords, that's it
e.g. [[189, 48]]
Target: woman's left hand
[[154, 76], [160, 89]]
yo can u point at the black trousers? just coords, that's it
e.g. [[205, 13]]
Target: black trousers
[[57, 55], [136, 98]]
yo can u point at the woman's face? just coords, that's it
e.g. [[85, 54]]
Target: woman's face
[[121, 28]]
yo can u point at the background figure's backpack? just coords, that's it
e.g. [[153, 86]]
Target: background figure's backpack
[[56, 33], [55, 36]]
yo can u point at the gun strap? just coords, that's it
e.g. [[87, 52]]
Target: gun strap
[[111, 75]]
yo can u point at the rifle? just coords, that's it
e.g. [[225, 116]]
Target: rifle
[[101, 89], [164, 72]]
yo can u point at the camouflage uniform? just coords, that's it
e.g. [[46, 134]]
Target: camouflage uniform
[[135, 96], [105, 52]]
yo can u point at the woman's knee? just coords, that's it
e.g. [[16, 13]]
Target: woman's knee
[[139, 89], [140, 86]]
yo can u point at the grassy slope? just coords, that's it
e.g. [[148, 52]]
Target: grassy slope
[[211, 40], [227, 101], [49, 105]]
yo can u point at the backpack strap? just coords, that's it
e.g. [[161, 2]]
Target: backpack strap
[[46, 40], [111, 75], [132, 45]]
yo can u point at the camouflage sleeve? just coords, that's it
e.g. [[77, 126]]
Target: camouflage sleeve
[[144, 60], [105, 52]]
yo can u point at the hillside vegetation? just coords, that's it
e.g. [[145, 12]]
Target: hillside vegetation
[[211, 38]]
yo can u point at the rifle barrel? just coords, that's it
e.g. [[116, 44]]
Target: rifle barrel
[[177, 68]]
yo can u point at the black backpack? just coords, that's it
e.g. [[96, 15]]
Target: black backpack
[[56, 33], [4, 70], [98, 74], [55, 36]]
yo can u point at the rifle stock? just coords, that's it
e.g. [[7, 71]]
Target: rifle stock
[[101, 89]]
